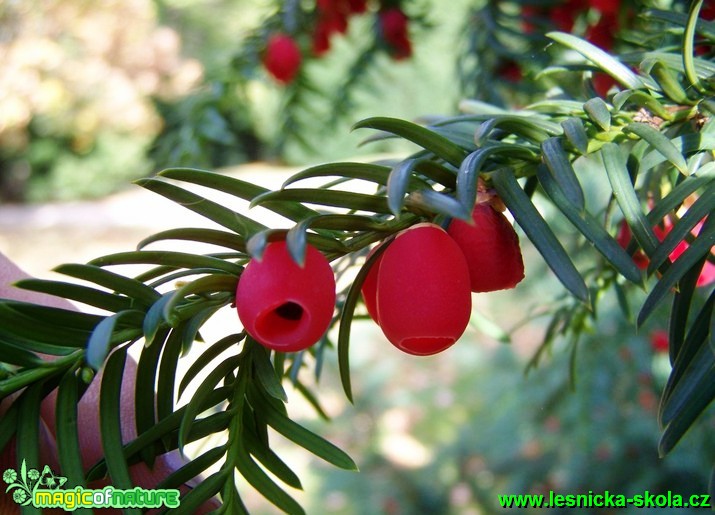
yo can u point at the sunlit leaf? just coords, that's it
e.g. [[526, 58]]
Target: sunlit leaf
[[603, 60], [660, 143]]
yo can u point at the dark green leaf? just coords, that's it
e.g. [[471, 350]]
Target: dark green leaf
[[203, 286], [591, 230], [101, 340], [701, 208], [626, 197], [237, 187], [560, 167], [205, 490], [425, 138], [117, 283], [77, 292], [265, 373], [110, 421], [257, 478], [694, 254], [683, 190], [346, 319], [539, 232], [692, 362], [686, 145], [225, 239], [168, 258], [197, 403], [576, 134], [68, 446], [363, 171], [193, 468], [438, 203], [397, 184], [303, 437], [228, 218], [597, 110], [207, 356], [334, 198]]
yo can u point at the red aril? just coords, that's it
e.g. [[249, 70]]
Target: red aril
[[284, 306], [491, 247], [422, 291]]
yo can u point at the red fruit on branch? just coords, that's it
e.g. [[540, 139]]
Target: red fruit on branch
[[328, 24], [282, 58], [707, 274], [422, 292], [624, 239], [491, 247], [393, 26], [282, 305], [369, 288]]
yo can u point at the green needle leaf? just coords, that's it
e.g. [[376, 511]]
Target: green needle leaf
[[626, 197], [397, 184], [425, 138], [101, 340], [560, 167], [110, 421], [539, 232], [660, 143], [603, 60], [591, 230]]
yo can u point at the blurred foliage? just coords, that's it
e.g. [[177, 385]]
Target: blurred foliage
[[76, 78]]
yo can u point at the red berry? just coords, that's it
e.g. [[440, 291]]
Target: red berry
[[282, 305], [707, 274], [282, 58], [369, 288], [659, 341], [491, 247], [393, 23], [624, 239], [423, 298]]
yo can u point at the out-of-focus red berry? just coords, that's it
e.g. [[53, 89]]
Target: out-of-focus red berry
[[357, 6], [510, 71], [393, 25], [602, 83], [624, 239], [707, 274], [602, 34], [284, 306], [423, 297], [659, 340], [282, 58], [328, 24], [491, 247], [611, 7]]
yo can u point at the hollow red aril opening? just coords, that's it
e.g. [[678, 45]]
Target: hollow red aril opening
[[289, 311], [283, 324]]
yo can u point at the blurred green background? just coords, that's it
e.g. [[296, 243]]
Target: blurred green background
[[89, 102]]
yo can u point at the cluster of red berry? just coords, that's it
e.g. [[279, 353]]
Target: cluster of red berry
[[418, 289], [283, 56], [707, 274]]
